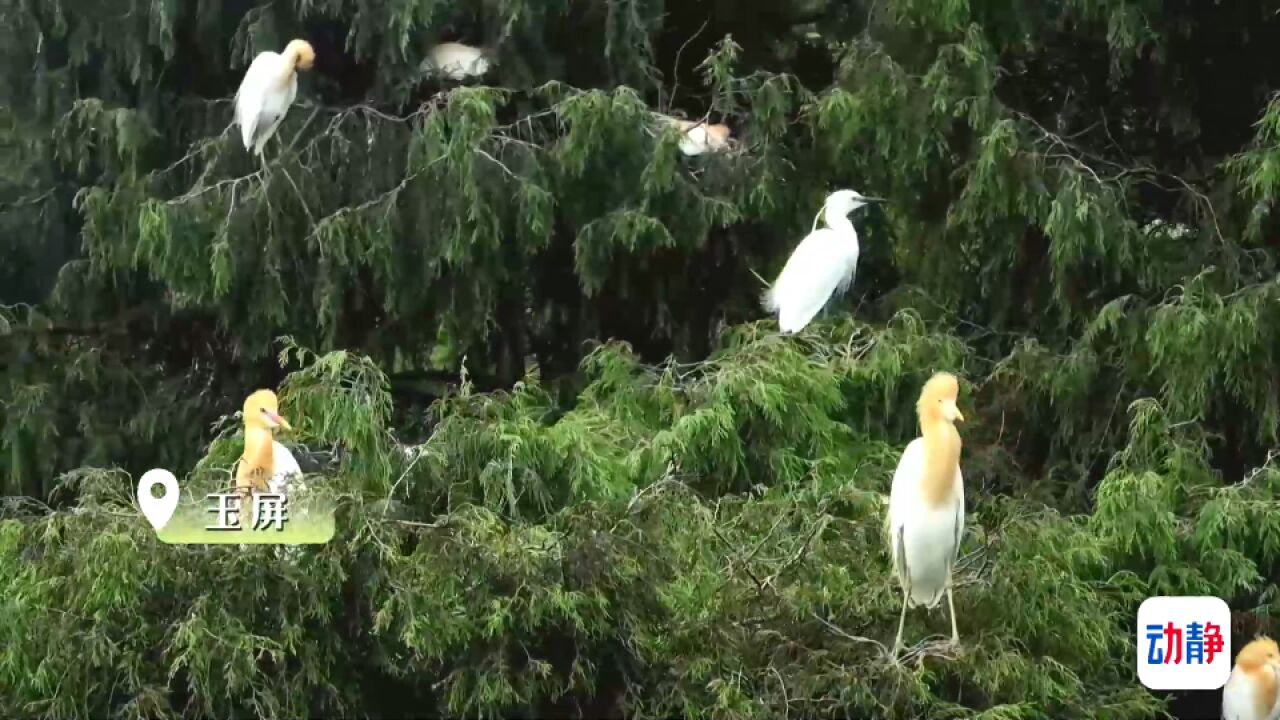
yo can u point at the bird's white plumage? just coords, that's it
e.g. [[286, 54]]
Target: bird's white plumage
[[286, 474], [286, 479], [697, 138], [822, 265], [264, 98], [1239, 697], [927, 538], [694, 141], [457, 61]]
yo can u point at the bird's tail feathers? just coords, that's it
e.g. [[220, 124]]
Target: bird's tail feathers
[[767, 298], [769, 301], [929, 602]]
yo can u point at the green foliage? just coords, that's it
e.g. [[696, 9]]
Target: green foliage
[[623, 529], [626, 492]]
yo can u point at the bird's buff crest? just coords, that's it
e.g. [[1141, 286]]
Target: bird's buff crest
[[303, 52], [939, 395]]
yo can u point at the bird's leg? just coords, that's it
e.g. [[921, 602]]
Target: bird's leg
[[280, 144], [951, 605], [262, 168], [904, 576], [902, 618]]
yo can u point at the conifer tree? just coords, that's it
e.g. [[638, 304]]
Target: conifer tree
[[580, 474]]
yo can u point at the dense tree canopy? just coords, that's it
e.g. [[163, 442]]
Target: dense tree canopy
[[580, 472]]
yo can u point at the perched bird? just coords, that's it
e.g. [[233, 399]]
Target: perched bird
[[698, 137], [821, 265], [266, 465], [267, 91], [926, 503], [457, 61], [1251, 691]]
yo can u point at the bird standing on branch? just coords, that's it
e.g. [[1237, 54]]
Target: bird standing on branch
[[1251, 692], [267, 91], [266, 465], [926, 504], [823, 264]]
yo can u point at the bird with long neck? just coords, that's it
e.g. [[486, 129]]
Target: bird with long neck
[[265, 462], [822, 265], [926, 503], [938, 414], [298, 55], [1253, 690]]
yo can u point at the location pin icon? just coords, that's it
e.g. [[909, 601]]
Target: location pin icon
[[158, 510]]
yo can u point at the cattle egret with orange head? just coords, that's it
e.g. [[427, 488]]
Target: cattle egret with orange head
[[266, 465], [822, 265], [926, 503], [1251, 691], [697, 138], [267, 91]]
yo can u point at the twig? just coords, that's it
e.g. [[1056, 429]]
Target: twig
[[298, 192], [194, 193], [1072, 150], [799, 554], [782, 685], [298, 135], [747, 569], [930, 647], [198, 148], [27, 201], [1253, 475], [371, 202], [675, 68], [847, 636], [777, 523], [442, 522], [416, 456], [495, 161]]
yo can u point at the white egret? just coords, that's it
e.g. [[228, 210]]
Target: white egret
[[266, 465], [823, 264], [699, 137], [457, 61], [926, 504], [1251, 691], [268, 89]]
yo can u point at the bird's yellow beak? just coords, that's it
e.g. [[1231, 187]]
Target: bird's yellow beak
[[953, 411], [278, 420]]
